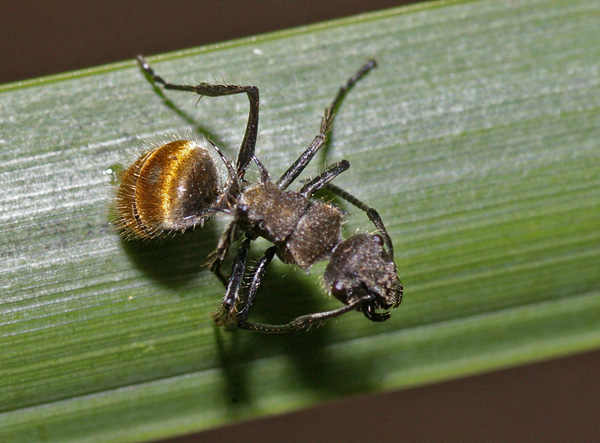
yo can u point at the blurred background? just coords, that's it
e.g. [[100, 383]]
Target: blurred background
[[548, 401]]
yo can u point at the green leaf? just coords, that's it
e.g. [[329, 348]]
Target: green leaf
[[476, 138]]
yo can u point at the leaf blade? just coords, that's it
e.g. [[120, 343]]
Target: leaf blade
[[475, 139]]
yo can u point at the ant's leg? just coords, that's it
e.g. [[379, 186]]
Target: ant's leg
[[230, 235], [258, 273], [304, 321], [325, 177], [371, 213], [205, 89], [327, 121], [264, 174], [228, 312]]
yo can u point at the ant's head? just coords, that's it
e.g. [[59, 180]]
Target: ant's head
[[360, 268]]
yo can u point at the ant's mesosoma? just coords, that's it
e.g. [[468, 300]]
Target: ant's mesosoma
[[175, 187]]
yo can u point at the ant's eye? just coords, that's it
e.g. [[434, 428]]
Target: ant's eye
[[167, 189]]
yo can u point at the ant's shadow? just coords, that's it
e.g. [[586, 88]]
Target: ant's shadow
[[172, 262]]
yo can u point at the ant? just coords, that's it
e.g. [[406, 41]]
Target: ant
[[175, 187]]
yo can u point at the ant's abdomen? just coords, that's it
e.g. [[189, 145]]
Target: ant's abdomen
[[167, 189]]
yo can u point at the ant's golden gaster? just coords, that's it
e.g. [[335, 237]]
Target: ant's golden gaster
[[167, 189]]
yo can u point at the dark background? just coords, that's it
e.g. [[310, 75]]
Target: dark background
[[46, 37], [550, 401]]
